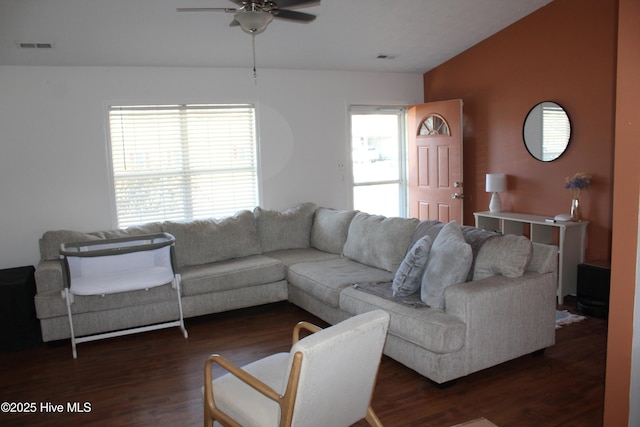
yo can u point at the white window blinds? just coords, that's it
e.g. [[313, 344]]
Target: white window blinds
[[555, 132], [182, 162]]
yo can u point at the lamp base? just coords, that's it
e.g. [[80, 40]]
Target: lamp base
[[495, 205]]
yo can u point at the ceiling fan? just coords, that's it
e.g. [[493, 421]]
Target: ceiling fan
[[253, 16]]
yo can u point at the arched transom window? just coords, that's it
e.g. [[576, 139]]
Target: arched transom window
[[434, 124]]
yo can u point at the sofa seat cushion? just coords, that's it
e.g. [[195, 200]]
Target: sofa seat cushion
[[325, 279], [295, 256], [423, 326], [52, 304], [230, 274]]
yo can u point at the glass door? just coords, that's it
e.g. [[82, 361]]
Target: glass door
[[378, 160]]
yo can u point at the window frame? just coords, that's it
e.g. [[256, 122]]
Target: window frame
[[188, 173]]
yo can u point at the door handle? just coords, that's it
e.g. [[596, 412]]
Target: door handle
[[457, 196]]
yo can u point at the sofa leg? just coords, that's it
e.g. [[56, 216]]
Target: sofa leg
[[538, 353], [443, 385]]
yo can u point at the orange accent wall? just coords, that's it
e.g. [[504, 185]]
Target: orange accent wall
[[584, 55], [625, 219], [564, 52]]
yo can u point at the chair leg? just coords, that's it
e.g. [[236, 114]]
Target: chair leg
[[372, 418], [208, 421]]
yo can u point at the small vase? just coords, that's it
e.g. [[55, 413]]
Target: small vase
[[576, 210]]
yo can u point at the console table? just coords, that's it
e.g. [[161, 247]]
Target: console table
[[568, 236]]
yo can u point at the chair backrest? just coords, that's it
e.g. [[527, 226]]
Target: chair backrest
[[339, 370]]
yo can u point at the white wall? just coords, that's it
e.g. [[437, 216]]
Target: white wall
[[634, 394], [54, 169]]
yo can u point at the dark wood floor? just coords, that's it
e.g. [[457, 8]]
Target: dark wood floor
[[154, 378]]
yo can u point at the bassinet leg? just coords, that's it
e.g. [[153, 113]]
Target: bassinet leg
[[176, 281], [67, 297]]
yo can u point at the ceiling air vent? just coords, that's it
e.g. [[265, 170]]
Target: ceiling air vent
[[25, 45]]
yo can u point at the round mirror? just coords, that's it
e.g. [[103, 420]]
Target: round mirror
[[546, 131]]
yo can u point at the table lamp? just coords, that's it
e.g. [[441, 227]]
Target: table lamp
[[496, 182]]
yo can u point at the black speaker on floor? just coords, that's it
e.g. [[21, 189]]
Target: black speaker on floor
[[593, 289], [19, 327]]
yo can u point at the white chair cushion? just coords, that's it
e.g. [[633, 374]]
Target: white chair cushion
[[243, 403]]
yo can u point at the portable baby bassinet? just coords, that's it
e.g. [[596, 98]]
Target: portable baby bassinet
[[109, 266]]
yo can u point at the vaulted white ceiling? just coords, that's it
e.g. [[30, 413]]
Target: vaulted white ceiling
[[347, 35]]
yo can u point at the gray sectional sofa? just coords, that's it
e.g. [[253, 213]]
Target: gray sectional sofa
[[460, 299]]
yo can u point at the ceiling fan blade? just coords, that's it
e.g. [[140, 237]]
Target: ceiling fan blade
[[294, 16], [234, 23], [207, 9], [288, 4]]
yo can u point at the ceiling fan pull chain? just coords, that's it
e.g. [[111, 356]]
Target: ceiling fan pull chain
[[253, 45]]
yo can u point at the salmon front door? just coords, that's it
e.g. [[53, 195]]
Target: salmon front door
[[435, 161]]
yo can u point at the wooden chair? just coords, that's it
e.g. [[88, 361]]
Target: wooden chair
[[327, 379]]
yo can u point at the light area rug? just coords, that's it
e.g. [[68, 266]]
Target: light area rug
[[563, 317]]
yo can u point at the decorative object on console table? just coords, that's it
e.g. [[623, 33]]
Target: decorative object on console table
[[19, 327], [568, 236], [495, 183], [593, 288], [580, 181]]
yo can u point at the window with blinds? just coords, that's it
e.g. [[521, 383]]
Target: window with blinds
[[182, 162], [555, 131]]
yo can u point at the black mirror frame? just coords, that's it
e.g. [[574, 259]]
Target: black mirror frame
[[524, 140]]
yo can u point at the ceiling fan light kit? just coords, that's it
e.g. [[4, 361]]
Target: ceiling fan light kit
[[253, 16], [253, 22]]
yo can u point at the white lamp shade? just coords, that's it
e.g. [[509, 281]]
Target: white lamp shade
[[253, 22], [496, 182]]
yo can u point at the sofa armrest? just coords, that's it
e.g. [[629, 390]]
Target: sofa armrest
[[51, 275], [505, 317]]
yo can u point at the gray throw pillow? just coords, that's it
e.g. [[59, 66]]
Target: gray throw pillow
[[289, 229], [449, 263], [507, 255], [408, 278], [330, 228]]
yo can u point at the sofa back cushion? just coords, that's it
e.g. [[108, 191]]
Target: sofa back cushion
[[379, 241], [544, 258], [507, 255], [330, 228], [205, 241], [51, 240], [289, 229]]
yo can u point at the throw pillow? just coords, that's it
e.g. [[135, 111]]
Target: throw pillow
[[408, 278], [330, 228], [289, 229], [378, 241], [506, 255], [449, 263]]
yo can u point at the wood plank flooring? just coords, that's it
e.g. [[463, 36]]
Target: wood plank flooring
[[154, 378]]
